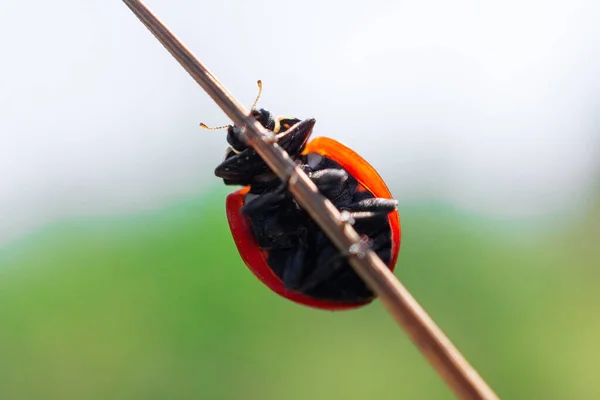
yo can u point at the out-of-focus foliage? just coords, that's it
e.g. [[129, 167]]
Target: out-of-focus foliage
[[160, 306]]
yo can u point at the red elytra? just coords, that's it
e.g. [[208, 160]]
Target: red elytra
[[256, 259]]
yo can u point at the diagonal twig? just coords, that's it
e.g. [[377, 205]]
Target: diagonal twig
[[441, 353]]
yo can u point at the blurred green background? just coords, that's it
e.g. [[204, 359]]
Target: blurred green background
[[160, 306]]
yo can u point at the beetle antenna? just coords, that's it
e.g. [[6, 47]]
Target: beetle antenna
[[216, 128], [259, 83]]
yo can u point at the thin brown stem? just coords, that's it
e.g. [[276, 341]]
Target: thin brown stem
[[441, 353]]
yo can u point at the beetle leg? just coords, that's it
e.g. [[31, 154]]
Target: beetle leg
[[265, 200], [329, 263], [329, 181], [294, 139], [322, 272], [369, 208], [326, 178], [295, 269]]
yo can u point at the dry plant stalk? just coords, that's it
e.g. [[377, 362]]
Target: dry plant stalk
[[441, 353]]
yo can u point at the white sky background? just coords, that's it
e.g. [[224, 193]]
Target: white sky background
[[493, 107]]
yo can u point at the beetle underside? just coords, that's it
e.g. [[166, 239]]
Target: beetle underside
[[299, 253]]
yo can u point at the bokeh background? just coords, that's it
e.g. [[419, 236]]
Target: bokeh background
[[118, 275]]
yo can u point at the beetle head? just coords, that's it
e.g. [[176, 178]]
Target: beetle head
[[242, 166], [246, 167]]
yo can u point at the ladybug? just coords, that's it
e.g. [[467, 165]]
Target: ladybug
[[279, 241]]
